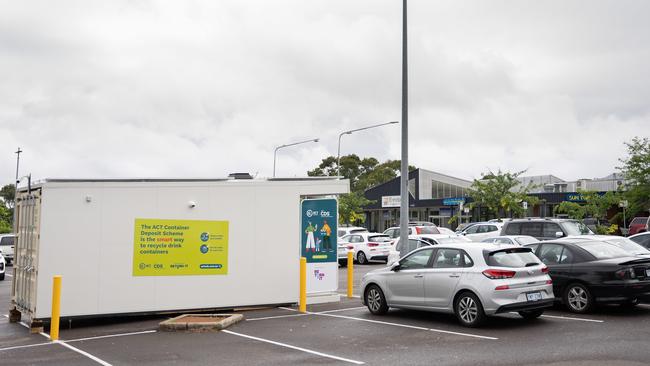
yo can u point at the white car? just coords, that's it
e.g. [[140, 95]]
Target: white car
[[342, 231], [446, 231], [7, 246], [394, 232], [511, 239], [418, 241], [366, 246], [3, 266], [482, 230]]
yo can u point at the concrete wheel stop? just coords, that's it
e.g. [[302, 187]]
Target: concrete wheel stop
[[199, 322]]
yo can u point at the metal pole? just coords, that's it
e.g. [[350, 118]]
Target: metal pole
[[287, 145], [404, 181], [338, 154], [16, 189]]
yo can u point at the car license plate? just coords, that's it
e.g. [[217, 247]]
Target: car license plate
[[534, 296]]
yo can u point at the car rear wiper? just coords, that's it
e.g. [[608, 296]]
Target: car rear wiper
[[531, 264]]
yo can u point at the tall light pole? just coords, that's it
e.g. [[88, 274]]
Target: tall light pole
[[338, 154], [287, 145], [16, 189], [404, 181]]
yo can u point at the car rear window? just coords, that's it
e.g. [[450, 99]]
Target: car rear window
[[513, 258], [576, 228], [602, 250], [523, 240], [358, 231], [513, 229], [379, 238], [7, 240], [639, 221]]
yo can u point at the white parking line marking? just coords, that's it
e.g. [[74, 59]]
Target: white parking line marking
[[110, 336], [10, 275], [346, 295], [294, 347], [409, 326], [644, 305], [337, 310], [26, 346], [94, 358], [572, 318], [276, 317]]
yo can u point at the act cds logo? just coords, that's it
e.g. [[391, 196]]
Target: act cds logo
[[204, 248], [205, 236]]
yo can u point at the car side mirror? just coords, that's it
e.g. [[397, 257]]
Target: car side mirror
[[559, 234], [395, 267]]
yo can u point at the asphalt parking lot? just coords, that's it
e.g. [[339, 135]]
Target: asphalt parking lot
[[341, 333]]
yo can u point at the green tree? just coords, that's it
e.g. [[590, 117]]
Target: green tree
[[636, 169], [363, 174], [501, 192], [5, 220], [7, 195], [573, 210]]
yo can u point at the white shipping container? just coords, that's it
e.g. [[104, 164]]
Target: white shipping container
[[83, 230]]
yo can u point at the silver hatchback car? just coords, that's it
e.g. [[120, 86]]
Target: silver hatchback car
[[471, 281]]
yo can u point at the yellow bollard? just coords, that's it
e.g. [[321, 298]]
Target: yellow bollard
[[350, 273], [302, 306], [56, 308]]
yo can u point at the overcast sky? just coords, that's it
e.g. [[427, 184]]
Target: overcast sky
[[206, 88]]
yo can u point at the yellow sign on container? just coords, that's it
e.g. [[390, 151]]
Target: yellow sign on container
[[180, 247]]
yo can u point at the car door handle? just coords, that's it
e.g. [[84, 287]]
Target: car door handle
[[418, 276], [454, 276]]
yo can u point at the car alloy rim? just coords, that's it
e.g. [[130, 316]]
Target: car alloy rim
[[467, 309], [374, 300], [362, 258], [578, 298]]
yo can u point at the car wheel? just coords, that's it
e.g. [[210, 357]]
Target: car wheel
[[578, 298], [376, 301], [361, 258], [469, 310], [531, 314]]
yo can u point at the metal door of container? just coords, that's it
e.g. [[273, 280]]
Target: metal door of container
[[28, 215]]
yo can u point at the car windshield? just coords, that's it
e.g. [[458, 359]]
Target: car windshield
[[426, 230], [512, 258], [379, 238], [523, 240], [639, 220], [576, 228], [602, 250], [358, 231], [628, 245]]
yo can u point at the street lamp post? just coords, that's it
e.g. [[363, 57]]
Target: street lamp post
[[338, 154], [16, 189], [287, 145], [404, 179]]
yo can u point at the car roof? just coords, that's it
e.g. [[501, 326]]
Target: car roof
[[540, 219], [639, 234]]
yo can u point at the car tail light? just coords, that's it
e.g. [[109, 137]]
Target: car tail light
[[502, 287], [373, 244], [350, 247], [418, 230], [498, 274], [545, 270], [549, 282], [625, 273]]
